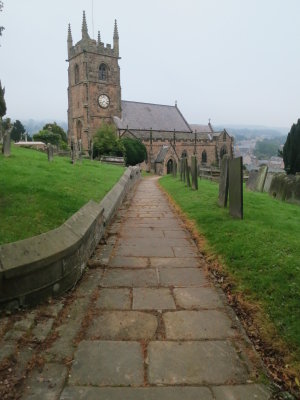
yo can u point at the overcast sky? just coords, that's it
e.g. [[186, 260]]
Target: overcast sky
[[234, 61]]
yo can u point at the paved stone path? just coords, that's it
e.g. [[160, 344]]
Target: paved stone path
[[145, 323]]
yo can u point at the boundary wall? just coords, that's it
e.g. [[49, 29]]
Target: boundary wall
[[47, 265]]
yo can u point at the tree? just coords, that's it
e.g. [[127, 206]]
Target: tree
[[107, 143], [17, 131], [135, 151], [291, 150], [47, 137], [54, 128], [266, 148]]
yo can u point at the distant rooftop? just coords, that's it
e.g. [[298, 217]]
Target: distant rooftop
[[144, 116]]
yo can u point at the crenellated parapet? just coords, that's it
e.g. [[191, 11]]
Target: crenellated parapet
[[86, 44]]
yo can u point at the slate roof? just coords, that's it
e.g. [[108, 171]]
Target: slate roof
[[144, 116], [202, 128], [162, 154]]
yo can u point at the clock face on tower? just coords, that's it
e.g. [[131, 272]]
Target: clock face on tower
[[103, 100]]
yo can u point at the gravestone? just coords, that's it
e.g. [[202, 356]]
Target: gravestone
[[268, 181], [50, 152], [79, 144], [73, 150], [91, 150], [187, 171], [256, 180], [194, 170], [184, 168], [261, 178], [236, 187], [224, 181], [6, 144], [174, 169]]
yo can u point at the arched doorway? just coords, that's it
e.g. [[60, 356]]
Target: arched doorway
[[204, 157], [170, 166], [223, 152]]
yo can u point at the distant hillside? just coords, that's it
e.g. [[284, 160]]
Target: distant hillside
[[32, 126], [242, 132]]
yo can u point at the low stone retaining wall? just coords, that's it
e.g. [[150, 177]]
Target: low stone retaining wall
[[47, 265]]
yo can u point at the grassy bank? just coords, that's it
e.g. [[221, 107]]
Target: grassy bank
[[36, 196], [261, 253]]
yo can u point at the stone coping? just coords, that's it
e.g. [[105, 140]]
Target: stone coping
[[34, 269]]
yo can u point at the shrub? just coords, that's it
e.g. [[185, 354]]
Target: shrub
[[47, 137], [107, 143], [135, 151]]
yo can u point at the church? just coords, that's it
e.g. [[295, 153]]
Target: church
[[94, 98]]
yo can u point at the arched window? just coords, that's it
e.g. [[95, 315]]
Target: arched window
[[103, 72], [76, 73], [204, 157]]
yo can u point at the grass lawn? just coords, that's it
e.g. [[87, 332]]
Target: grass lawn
[[37, 196], [261, 252]]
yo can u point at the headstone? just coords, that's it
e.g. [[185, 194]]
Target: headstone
[[50, 152], [187, 169], [268, 181], [91, 149], [181, 169], [174, 169], [184, 168], [6, 144], [236, 187], [80, 149], [251, 182], [73, 150], [224, 180], [262, 174], [194, 170]]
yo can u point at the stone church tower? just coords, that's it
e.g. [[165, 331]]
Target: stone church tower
[[94, 92]]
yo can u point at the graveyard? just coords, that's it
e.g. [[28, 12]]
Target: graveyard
[[257, 257], [39, 195]]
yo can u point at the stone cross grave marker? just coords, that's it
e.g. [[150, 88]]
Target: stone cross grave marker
[[224, 181], [236, 187], [194, 171]]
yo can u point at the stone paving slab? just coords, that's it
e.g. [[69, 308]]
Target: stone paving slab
[[172, 262], [153, 299], [186, 251], [47, 384], [114, 299], [107, 363], [208, 324], [156, 242], [149, 393], [123, 325], [242, 392], [206, 362], [143, 233], [181, 277], [176, 234], [129, 262], [144, 251], [197, 298], [130, 278]]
